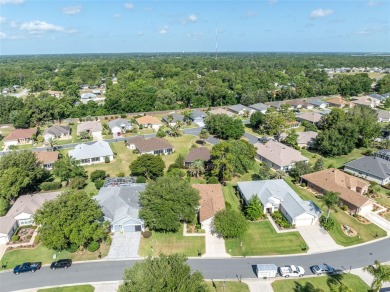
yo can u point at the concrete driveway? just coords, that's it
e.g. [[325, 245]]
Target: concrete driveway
[[215, 244], [317, 239], [378, 220], [124, 245]]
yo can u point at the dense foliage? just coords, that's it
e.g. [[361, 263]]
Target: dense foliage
[[224, 127], [254, 209], [167, 202], [230, 223], [148, 165], [74, 218], [66, 169], [163, 273]]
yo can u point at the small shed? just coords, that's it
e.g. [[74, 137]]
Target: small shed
[[266, 270]]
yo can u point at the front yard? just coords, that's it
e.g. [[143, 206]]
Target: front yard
[[322, 283], [228, 286], [76, 288], [365, 232], [262, 239], [45, 255], [170, 243]]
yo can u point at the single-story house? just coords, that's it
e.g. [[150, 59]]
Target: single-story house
[[87, 154], [119, 127], [383, 153], [379, 97], [156, 146], [350, 188], [21, 213], [93, 128], [275, 104], [278, 156], [339, 102], [260, 107], [198, 117], [47, 158], [57, 132], [88, 96], [200, 153], [365, 101], [318, 103], [120, 206], [297, 103], [383, 116], [221, 111], [173, 120], [275, 195], [55, 93], [370, 168], [240, 109], [20, 137], [306, 139], [149, 122], [211, 201], [311, 117]]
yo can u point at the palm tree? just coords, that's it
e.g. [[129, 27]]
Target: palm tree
[[204, 134], [380, 273], [196, 168], [331, 201]]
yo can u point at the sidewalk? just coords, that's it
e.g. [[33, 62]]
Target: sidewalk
[[259, 285], [367, 278]]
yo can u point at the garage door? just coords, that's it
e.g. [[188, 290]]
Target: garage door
[[129, 228], [303, 222], [3, 240]]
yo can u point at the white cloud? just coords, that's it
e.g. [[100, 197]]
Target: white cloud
[[272, 1], [129, 5], [372, 30], [190, 19], [39, 27], [321, 13], [163, 30], [11, 2], [373, 3], [10, 37], [71, 10], [2, 35], [2, 19]]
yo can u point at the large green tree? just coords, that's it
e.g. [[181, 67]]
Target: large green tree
[[224, 127], [167, 202], [230, 223], [381, 273], [163, 273], [331, 201], [74, 218], [148, 165], [67, 168], [254, 209]]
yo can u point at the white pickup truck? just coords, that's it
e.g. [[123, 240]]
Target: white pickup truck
[[291, 271]]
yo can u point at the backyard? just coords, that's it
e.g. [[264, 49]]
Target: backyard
[[322, 283], [262, 239], [170, 243]]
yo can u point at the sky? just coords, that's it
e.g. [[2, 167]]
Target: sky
[[102, 26]]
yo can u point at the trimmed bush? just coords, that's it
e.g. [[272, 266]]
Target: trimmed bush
[[37, 239], [123, 116], [15, 238], [107, 159], [73, 248], [98, 174], [93, 246], [121, 174], [147, 234], [77, 183], [213, 180], [48, 186], [140, 180], [327, 224], [99, 184]]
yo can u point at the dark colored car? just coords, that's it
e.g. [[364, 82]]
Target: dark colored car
[[322, 269], [27, 267], [61, 264]]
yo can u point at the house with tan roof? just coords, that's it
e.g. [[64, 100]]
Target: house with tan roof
[[20, 137], [365, 100], [149, 122], [21, 213], [47, 158], [350, 188], [93, 128], [200, 153], [311, 117], [221, 111], [306, 139], [278, 156], [211, 201], [339, 102], [156, 146]]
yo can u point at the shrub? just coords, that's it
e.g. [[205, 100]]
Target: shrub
[[15, 238], [99, 184], [213, 180], [123, 116], [73, 248], [326, 224], [29, 237], [98, 174], [37, 239], [303, 185], [77, 183], [107, 159], [93, 246], [121, 174], [147, 234], [173, 166], [48, 186], [198, 226], [140, 180], [344, 208], [280, 219]]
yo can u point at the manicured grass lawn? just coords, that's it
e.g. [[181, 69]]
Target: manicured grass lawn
[[384, 197], [182, 145], [77, 288], [262, 239], [387, 216], [337, 161], [353, 282], [365, 232], [45, 255], [170, 243], [5, 130], [230, 286], [230, 197]]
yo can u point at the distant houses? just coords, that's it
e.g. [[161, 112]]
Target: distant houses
[[221, 111], [155, 146], [93, 128], [383, 116], [198, 117], [57, 132], [19, 137], [149, 122], [241, 110], [119, 127], [365, 101], [311, 117], [260, 107], [97, 152]]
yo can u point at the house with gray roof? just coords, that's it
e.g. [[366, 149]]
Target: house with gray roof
[[120, 206], [383, 116], [87, 154], [198, 117], [119, 127], [275, 104], [311, 117], [383, 153], [370, 168], [260, 107], [240, 109], [377, 96], [57, 132], [318, 103], [275, 195], [175, 119]]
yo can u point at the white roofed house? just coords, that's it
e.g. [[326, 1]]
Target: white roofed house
[[87, 154], [278, 195], [260, 107], [119, 127]]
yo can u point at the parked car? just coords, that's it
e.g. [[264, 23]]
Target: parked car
[[27, 267], [61, 264], [291, 271], [322, 269]]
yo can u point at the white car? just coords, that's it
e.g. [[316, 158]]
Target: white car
[[291, 271]]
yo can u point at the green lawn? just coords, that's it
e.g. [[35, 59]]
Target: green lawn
[[323, 282], [262, 239], [77, 288], [365, 232], [387, 216], [384, 197], [170, 243], [45, 255], [5, 130], [182, 145], [230, 286], [230, 197]]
